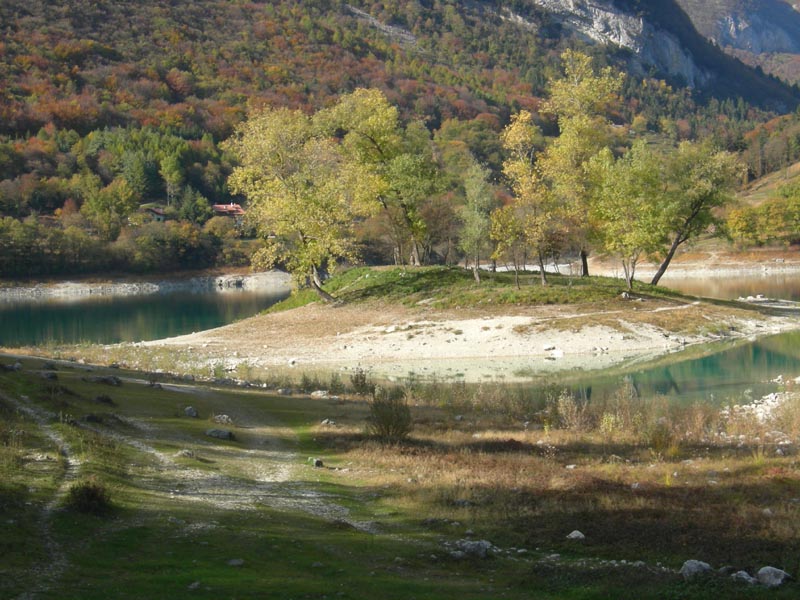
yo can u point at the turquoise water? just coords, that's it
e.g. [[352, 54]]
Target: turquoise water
[[108, 320]]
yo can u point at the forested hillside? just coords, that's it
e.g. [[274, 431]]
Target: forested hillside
[[108, 108]]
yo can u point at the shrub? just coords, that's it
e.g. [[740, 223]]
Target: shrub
[[361, 384], [88, 497], [389, 415]]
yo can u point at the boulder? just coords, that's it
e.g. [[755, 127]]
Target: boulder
[[190, 411], [476, 548], [744, 577], [236, 562], [772, 577], [220, 434], [319, 394], [576, 535], [695, 568], [223, 420]]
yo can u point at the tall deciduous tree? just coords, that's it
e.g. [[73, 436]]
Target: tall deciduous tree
[[580, 99], [629, 202], [402, 157], [702, 179], [534, 208], [304, 193], [475, 215]]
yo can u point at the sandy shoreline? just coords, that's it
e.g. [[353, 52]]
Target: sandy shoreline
[[395, 342]]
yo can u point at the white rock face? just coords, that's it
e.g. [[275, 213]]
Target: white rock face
[[602, 22]]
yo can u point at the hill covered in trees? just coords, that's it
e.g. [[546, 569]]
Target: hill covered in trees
[[107, 108]]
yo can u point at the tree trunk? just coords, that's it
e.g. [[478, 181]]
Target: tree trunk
[[476, 271], [542, 272], [317, 285], [584, 263], [662, 269]]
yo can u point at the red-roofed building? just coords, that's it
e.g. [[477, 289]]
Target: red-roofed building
[[228, 210]]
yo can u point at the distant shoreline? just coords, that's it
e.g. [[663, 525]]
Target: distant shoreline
[[124, 287]]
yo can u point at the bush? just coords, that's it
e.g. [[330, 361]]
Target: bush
[[361, 383], [88, 497], [389, 415]]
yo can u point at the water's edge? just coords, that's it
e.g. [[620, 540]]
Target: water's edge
[[277, 280]]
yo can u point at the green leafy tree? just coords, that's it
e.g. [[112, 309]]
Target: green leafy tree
[[401, 157], [628, 204], [108, 208], [304, 193], [701, 179], [580, 99], [534, 206], [475, 215]]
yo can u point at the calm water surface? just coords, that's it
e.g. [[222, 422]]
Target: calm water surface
[[785, 286], [111, 319]]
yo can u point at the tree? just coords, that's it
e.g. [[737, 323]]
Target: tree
[[508, 233], [108, 208], [701, 179], [534, 208], [580, 99], [475, 215], [304, 193], [630, 196], [401, 157]]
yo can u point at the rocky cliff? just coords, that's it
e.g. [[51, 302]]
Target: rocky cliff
[[603, 21], [764, 32]]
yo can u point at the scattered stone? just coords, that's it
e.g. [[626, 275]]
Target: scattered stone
[[17, 366], [327, 422], [191, 412], [459, 417], [220, 434], [193, 586], [772, 577], [222, 420], [570, 467], [476, 548], [49, 376], [576, 535], [319, 394], [317, 565], [236, 562], [695, 568], [184, 453], [284, 392], [727, 570], [744, 577]]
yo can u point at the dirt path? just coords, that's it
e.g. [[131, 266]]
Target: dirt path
[[47, 573]]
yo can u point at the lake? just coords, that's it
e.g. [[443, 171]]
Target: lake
[[112, 319]]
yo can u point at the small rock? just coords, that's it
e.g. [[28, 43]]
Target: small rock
[[220, 434], [459, 417], [576, 535], [236, 562], [570, 467], [222, 420], [744, 577], [193, 586], [191, 412], [184, 453], [319, 394], [284, 392], [772, 577], [49, 376], [477, 548], [106, 380], [694, 568], [317, 565], [327, 422]]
